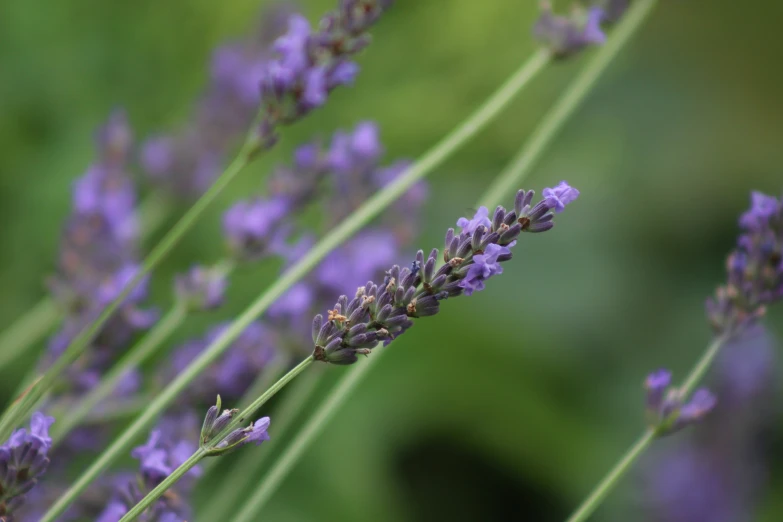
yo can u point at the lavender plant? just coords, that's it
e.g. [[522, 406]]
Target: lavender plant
[[294, 80]]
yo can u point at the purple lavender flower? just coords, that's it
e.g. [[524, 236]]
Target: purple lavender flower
[[310, 64], [665, 410], [382, 312], [98, 255], [656, 385], [485, 266], [23, 460], [168, 446], [754, 268], [202, 288], [481, 219], [188, 162], [215, 422], [560, 196], [256, 228], [567, 35]]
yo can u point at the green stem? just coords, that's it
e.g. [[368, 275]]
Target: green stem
[[241, 418], [314, 426], [702, 365], [346, 229], [28, 329], [131, 360], [608, 483], [621, 468], [161, 488], [569, 102], [226, 497], [15, 415]]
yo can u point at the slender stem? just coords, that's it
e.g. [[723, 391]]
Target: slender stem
[[569, 102], [28, 329], [702, 365], [346, 229], [226, 497], [314, 426], [132, 359], [247, 413], [15, 415], [614, 476], [161, 488]]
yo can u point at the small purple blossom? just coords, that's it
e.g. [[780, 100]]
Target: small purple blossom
[[202, 288], [256, 228], [560, 196], [656, 384], [666, 412], [480, 219], [23, 460], [567, 35], [485, 266]]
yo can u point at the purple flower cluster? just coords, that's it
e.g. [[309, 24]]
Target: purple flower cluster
[[168, 446], [310, 64], [23, 459], [754, 268], [666, 411], [201, 288], [215, 421], [381, 312], [565, 36], [187, 163], [99, 254]]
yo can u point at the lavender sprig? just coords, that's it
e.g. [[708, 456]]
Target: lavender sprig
[[382, 312], [565, 36]]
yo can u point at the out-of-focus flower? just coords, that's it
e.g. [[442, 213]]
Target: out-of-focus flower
[[567, 35], [754, 268], [23, 460]]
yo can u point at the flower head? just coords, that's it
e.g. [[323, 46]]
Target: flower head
[[23, 460], [380, 312], [567, 35]]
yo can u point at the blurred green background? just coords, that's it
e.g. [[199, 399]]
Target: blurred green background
[[511, 404]]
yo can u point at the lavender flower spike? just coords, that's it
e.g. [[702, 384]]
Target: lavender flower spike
[[754, 269], [665, 409], [567, 35], [23, 460], [382, 312], [215, 422]]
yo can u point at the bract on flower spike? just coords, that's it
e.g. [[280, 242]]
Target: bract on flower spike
[[380, 313]]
